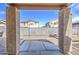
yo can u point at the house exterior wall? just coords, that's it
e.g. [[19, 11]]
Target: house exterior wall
[[53, 23], [29, 24], [75, 29]]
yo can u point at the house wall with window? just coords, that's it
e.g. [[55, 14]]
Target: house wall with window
[[29, 23]]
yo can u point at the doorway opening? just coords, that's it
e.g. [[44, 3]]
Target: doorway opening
[[65, 25], [39, 32]]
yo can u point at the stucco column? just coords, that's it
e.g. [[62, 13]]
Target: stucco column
[[17, 31], [12, 33], [65, 31]]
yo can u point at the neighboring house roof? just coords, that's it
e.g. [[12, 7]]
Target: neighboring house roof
[[2, 22], [47, 23], [55, 22], [29, 21]]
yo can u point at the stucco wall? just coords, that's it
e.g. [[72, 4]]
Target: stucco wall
[[38, 31]]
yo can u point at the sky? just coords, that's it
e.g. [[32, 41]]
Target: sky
[[42, 16]]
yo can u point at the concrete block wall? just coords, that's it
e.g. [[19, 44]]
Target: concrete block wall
[[38, 31]]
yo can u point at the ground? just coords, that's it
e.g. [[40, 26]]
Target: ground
[[43, 46], [38, 47]]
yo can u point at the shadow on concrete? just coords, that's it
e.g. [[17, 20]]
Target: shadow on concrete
[[38, 47]]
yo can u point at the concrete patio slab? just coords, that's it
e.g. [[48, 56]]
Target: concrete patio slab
[[50, 46], [36, 46], [31, 47], [30, 53], [2, 45], [25, 46], [51, 53]]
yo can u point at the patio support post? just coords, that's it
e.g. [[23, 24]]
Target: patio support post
[[65, 31], [12, 33], [17, 32]]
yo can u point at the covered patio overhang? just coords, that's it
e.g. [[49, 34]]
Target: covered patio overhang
[[13, 24]]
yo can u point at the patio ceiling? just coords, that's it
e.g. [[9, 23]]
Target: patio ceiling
[[40, 6]]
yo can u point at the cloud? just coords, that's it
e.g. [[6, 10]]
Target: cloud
[[2, 12], [72, 5], [75, 19], [1, 19], [77, 6]]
